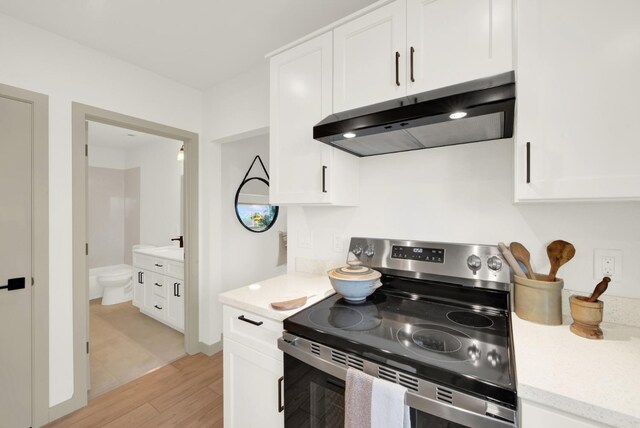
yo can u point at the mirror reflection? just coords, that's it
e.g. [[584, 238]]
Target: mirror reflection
[[252, 205]]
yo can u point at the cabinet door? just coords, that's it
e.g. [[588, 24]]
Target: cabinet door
[[365, 54], [300, 98], [250, 388], [175, 313], [577, 80], [138, 287], [454, 41]]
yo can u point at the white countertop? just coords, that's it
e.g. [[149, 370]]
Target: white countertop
[[257, 297], [595, 379]]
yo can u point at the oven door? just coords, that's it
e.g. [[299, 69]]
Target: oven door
[[314, 391], [315, 399]]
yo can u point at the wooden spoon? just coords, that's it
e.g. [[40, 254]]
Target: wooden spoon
[[522, 255], [600, 288], [286, 305], [559, 253]]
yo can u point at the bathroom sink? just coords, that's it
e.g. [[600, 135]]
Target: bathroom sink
[[169, 252]]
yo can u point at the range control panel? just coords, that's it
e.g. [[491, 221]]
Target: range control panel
[[421, 254]]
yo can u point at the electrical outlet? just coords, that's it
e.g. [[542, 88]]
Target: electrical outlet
[[607, 263]]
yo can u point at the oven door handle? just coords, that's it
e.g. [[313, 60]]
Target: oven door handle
[[479, 417]]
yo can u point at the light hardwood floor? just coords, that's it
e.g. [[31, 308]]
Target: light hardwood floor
[[185, 394], [126, 344]]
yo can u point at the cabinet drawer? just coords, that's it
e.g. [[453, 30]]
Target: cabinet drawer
[[159, 305], [254, 331], [153, 264], [159, 285]]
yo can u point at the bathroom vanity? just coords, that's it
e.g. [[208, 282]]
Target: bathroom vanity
[[158, 277]]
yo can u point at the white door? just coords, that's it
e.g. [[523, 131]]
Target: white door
[[251, 388], [301, 89], [175, 303], [138, 287], [370, 57], [15, 263], [454, 41], [577, 84]]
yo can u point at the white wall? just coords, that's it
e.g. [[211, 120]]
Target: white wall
[[464, 194], [108, 157], [247, 257], [159, 190], [239, 106], [66, 71]]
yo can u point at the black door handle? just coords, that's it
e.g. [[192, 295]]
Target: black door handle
[[397, 68], [528, 162], [242, 318], [324, 179], [157, 307], [280, 406], [158, 285], [14, 284], [412, 52]]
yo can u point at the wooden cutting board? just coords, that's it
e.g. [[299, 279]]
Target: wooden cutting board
[[287, 305]]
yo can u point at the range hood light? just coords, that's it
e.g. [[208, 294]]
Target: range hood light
[[457, 115], [349, 135]]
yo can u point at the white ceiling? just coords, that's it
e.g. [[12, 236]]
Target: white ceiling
[[120, 138], [196, 42]]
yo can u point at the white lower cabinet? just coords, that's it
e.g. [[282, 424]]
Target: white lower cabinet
[[250, 388], [252, 370], [175, 303], [157, 294], [534, 415], [139, 276]]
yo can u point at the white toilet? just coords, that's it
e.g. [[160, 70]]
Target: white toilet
[[117, 285]]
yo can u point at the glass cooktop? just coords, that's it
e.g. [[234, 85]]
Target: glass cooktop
[[463, 346]]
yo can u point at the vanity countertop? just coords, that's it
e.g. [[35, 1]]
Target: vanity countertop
[[257, 297], [170, 252]]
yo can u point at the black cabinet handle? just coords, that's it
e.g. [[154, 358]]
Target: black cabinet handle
[[157, 307], [242, 318], [177, 289], [140, 278], [397, 68], [158, 265], [324, 179], [174, 289], [411, 60], [14, 284], [158, 285], [280, 406], [528, 162]]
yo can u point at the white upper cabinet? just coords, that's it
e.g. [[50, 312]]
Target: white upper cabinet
[[370, 58], [454, 41], [578, 63], [303, 170]]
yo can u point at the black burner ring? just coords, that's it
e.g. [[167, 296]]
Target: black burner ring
[[469, 319]]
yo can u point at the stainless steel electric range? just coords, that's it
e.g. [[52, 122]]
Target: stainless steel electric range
[[439, 325]]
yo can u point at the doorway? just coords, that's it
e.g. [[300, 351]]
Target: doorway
[[24, 258], [135, 221], [81, 250]]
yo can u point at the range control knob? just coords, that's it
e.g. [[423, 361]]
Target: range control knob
[[494, 263], [369, 251], [474, 263], [357, 250]]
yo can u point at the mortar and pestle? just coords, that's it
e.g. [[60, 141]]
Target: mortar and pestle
[[587, 312]]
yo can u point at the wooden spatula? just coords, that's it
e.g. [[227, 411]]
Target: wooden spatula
[[286, 305], [600, 288], [522, 255], [559, 252]]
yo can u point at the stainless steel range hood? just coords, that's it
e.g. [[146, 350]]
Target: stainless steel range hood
[[478, 110]]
